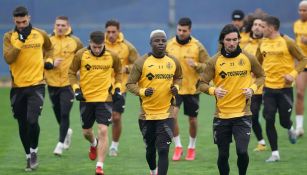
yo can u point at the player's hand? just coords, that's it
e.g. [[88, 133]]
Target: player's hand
[[220, 92], [288, 79], [24, 33], [117, 95], [57, 62], [174, 90], [48, 66], [79, 95], [149, 91], [191, 62], [248, 92]]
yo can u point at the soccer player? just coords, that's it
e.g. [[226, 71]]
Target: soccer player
[[277, 54], [24, 49], [230, 70], [192, 56], [300, 31], [251, 48], [127, 53], [155, 78], [61, 95], [238, 20], [93, 90]]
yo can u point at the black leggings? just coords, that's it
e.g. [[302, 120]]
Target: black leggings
[[255, 108], [222, 161], [27, 104], [273, 100], [157, 135], [62, 101]]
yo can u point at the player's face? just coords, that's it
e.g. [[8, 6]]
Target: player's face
[[183, 32], [158, 43], [231, 42], [96, 48], [267, 29], [61, 27], [302, 10], [22, 21], [112, 33], [257, 28], [238, 23]]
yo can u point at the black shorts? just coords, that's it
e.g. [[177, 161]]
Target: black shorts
[[239, 127], [27, 102], [99, 111], [190, 104], [305, 69], [158, 133], [119, 106]]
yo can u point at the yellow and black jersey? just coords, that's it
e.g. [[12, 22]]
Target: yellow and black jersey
[[192, 50], [95, 74], [251, 48], [277, 58], [126, 52], [159, 74], [233, 75], [245, 36], [26, 60], [300, 29], [65, 48]]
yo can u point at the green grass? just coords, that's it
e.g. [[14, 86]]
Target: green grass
[[131, 160]]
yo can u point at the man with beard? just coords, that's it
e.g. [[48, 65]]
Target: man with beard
[[192, 56], [155, 78], [127, 53], [24, 50], [277, 54], [251, 48], [230, 70]]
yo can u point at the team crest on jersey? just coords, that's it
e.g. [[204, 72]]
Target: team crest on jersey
[[34, 36], [241, 62], [169, 65]]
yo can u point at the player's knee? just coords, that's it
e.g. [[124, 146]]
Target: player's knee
[[116, 117], [300, 95], [102, 130], [285, 123], [163, 151], [87, 132], [242, 152]]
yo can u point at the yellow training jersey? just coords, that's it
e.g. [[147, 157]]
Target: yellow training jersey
[[251, 48], [126, 52], [26, 60], [95, 74], [233, 75], [244, 39], [159, 74], [277, 57], [192, 50], [65, 48], [300, 29]]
